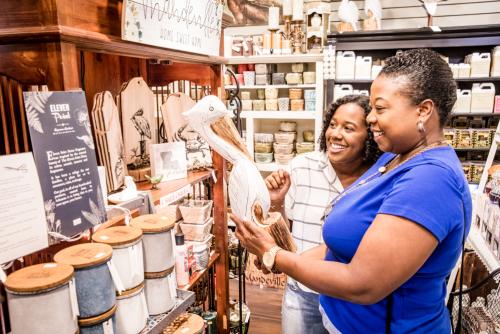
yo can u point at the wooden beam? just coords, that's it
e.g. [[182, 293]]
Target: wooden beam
[[221, 246]]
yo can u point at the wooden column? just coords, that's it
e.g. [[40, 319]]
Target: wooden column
[[221, 246]]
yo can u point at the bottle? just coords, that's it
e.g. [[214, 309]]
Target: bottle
[[181, 261]]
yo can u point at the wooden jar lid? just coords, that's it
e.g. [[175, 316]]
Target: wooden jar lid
[[194, 324], [153, 223], [39, 277], [130, 292], [84, 255], [159, 274], [118, 235], [87, 322]]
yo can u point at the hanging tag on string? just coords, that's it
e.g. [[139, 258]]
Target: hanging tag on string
[[107, 326], [115, 277], [73, 298]]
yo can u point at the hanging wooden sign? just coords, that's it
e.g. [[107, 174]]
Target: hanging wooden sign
[[65, 159], [190, 25], [138, 126]]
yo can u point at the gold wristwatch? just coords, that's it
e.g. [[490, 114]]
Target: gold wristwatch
[[269, 257]]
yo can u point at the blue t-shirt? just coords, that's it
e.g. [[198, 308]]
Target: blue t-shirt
[[430, 190]]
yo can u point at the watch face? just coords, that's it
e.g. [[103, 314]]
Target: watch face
[[268, 260]]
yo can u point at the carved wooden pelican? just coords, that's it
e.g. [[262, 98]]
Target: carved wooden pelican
[[248, 193]]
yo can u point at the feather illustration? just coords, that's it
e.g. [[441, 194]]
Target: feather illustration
[[35, 105]]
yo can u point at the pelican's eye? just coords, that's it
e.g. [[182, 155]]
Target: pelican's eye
[[211, 108]]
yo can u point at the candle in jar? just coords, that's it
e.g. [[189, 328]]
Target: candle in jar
[[287, 7], [298, 10], [274, 17], [267, 40]]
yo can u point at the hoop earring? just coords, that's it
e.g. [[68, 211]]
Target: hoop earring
[[420, 126]]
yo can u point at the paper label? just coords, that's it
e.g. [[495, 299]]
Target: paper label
[[116, 277]]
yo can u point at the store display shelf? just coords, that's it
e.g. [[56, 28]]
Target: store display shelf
[[157, 323], [482, 79], [272, 86], [481, 248], [352, 81], [489, 114], [270, 167], [174, 190], [197, 275], [471, 149], [275, 59], [278, 114]]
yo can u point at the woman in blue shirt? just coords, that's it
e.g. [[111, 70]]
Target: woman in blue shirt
[[393, 236]]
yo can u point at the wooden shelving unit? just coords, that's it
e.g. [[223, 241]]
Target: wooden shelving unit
[[67, 47]]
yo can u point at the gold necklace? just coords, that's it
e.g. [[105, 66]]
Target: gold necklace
[[383, 169]]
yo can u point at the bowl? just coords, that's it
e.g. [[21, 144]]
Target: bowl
[[283, 148], [263, 147], [283, 159], [308, 135], [285, 137], [263, 137], [263, 158]]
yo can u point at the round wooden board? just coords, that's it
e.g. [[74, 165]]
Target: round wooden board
[[84, 255], [39, 277], [153, 223], [118, 235]]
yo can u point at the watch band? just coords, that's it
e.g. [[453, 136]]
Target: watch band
[[273, 251]]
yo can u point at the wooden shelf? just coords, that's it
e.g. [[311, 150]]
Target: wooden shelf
[[172, 191], [275, 59], [272, 86], [278, 114], [197, 275]]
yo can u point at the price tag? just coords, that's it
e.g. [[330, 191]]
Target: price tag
[[107, 326], [115, 277], [73, 298]]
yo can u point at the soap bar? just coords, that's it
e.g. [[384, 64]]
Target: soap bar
[[283, 104], [294, 78], [272, 105], [309, 94], [271, 93], [295, 93], [258, 105], [262, 68], [245, 95], [262, 79], [309, 77], [297, 105], [278, 78], [246, 105], [298, 67]]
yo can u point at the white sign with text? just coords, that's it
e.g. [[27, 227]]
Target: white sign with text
[[186, 25], [22, 216]]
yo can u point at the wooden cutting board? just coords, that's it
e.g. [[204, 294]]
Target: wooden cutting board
[[110, 141], [138, 122]]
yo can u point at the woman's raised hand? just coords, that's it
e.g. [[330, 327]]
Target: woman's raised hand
[[278, 184]]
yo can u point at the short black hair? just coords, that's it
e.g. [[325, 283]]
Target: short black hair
[[428, 76], [372, 151]]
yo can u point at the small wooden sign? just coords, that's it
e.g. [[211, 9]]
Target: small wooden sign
[[190, 25]]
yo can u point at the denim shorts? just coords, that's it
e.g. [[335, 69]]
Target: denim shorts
[[300, 311]]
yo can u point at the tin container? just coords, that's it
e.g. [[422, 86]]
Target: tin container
[[132, 313], [102, 324], [42, 299], [94, 285], [127, 253], [158, 248], [160, 290]]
